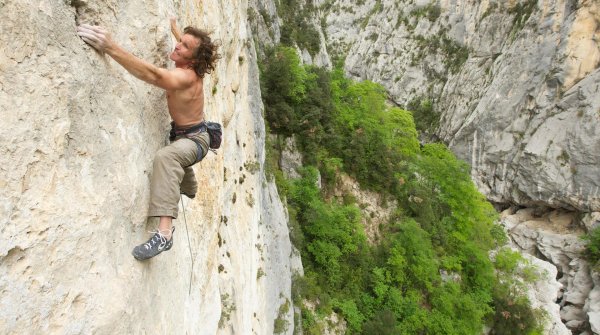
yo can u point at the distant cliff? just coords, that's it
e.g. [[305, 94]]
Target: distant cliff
[[514, 86]]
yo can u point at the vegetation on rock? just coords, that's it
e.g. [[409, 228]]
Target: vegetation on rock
[[431, 272]]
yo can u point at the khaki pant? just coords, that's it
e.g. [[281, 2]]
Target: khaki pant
[[172, 173]]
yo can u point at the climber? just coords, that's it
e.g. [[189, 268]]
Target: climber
[[195, 55]]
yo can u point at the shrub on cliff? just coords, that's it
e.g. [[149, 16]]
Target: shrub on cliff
[[592, 247]]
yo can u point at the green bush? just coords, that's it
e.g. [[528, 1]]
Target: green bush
[[332, 232], [592, 247], [297, 28], [426, 118], [383, 323], [280, 325], [514, 316], [283, 88], [513, 313], [348, 309]]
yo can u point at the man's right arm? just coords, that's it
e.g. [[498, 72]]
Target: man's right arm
[[100, 39]]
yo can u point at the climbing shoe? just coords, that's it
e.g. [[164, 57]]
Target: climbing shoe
[[155, 245]]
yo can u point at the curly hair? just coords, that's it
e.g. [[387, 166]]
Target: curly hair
[[206, 55]]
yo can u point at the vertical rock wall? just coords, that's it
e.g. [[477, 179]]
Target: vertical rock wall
[[77, 141], [516, 84]]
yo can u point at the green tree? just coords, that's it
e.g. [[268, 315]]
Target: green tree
[[283, 88]]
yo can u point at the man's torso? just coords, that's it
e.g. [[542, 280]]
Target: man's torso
[[186, 106]]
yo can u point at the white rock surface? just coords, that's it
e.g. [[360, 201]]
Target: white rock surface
[[76, 147], [553, 237], [291, 158], [543, 294], [592, 305], [375, 210]]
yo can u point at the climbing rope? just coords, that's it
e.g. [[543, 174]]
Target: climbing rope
[[189, 245]]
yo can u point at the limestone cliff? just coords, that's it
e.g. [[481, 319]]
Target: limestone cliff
[[76, 147], [515, 83]]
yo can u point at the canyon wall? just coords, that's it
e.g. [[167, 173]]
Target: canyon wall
[[513, 87], [515, 84]]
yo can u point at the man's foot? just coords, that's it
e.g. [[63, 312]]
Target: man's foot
[[155, 245]]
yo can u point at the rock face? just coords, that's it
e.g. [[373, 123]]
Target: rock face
[[543, 294], [555, 240], [375, 210], [76, 148], [592, 305], [516, 83], [266, 25]]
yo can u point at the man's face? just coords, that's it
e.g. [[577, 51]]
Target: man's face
[[184, 50]]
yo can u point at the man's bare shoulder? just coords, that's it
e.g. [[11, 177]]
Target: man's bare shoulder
[[186, 77]]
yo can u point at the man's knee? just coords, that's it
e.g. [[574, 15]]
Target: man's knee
[[162, 157], [183, 152]]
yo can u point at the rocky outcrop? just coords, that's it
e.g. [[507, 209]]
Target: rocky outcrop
[[76, 150], [592, 305], [543, 294], [266, 25], [555, 238], [376, 210]]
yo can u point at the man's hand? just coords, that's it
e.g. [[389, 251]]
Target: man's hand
[[96, 36]]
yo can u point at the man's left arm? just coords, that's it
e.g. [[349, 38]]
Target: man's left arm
[[100, 39], [174, 30]]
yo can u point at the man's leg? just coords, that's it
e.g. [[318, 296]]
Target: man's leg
[[165, 226], [189, 185], [167, 174]]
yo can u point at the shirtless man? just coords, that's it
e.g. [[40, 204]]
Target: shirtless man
[[194, 55]]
